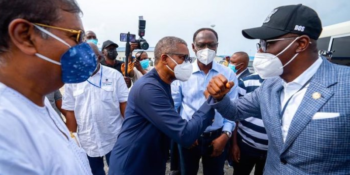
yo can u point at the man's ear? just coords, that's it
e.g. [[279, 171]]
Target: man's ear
[[304, 43], [163, 59], [22, 35], [193, 48]]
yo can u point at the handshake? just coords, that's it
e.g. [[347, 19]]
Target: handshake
[[218, 87]]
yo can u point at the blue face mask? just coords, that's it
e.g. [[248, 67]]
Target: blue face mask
[[93, 41], [232, 67], [77, 63], [144, 63]]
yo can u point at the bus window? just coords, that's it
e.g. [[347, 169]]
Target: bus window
[[341, 47], [323, 43]]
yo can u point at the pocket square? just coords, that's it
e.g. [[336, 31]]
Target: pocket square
[[325, 115]]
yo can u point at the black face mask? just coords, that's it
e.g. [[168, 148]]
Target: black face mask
[[112, 54]]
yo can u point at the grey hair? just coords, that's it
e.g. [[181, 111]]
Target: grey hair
[[167, 45], [40, 11]]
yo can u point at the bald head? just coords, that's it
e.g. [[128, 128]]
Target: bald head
[[90, 35], [240, 60]]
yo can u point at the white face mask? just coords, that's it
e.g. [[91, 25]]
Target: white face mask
[[206, 56], [182, 71], [268, 65]]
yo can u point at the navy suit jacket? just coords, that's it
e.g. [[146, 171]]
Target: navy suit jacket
[[150, 122], [312, 146]]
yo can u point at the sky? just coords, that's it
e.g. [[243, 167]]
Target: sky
[[181, 18]]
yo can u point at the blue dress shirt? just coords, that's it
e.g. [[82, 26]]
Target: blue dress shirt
[[188, 96]]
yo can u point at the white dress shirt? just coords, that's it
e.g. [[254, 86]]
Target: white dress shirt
[[34, 140], [292, 89], [95, 103]]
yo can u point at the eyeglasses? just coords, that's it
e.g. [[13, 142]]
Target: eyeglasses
[[263, 43], [80, 33], [184, 57], [206, 45]]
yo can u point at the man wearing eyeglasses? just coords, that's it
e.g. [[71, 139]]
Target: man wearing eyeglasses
[[41, 48], [304, 101], [211, 146], [150, 119]]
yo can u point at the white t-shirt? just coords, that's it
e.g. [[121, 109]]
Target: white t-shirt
[[138, 74], [34, 140], [95, 103]]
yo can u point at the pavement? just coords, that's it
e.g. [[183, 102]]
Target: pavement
[[228, 170]]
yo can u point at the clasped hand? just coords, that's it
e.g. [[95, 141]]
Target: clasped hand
[[218, 87]]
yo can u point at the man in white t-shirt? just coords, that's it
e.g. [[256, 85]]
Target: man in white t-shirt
[[40, 49], [142, 65], [95, 110]]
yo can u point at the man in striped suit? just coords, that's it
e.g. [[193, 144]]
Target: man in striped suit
[[249, 139]]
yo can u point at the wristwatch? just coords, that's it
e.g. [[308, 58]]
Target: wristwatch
[[229, 134]]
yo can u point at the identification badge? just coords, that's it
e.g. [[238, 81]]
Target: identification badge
[[107, 82]]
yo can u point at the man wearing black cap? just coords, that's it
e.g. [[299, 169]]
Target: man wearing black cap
[[304, 101], [109, 51]]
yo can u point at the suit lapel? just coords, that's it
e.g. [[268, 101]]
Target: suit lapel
[[322, 80], [274, 112]]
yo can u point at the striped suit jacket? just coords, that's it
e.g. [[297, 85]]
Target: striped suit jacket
[[318, 140]]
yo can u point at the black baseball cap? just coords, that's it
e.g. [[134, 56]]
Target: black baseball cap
[[108, 43], [298, 19]]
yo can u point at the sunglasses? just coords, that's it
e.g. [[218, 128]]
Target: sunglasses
[[80, 33], [263, 43], [184, 57]]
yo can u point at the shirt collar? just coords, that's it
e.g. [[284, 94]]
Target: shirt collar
[[242, 72], [214, 67], [306, 75], [99, 71]]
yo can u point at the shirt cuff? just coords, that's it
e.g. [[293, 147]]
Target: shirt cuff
[[229, 127], [122, 100], [225, 102], [68, 107]]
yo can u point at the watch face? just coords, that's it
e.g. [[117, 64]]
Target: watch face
[[228, 133]]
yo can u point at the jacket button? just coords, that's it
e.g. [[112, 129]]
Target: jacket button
[[283, 161]]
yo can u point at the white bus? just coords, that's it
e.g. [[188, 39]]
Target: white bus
[[336, 38]]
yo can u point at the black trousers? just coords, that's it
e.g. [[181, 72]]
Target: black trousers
[[174, 157], [247, 163]]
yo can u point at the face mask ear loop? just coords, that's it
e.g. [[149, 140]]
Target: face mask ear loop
[[173, 61], [288, 46], [47, 59], [290, 60], [52, 35]]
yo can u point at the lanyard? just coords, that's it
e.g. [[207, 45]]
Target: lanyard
[[100, 80], [285, 106]]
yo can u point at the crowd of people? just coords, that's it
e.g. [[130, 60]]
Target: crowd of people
[[290, 117]]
